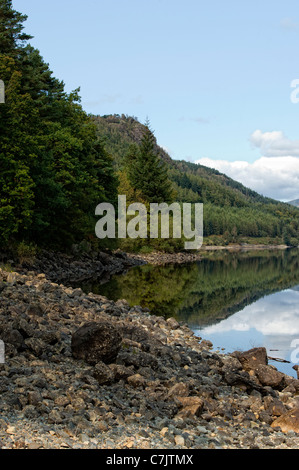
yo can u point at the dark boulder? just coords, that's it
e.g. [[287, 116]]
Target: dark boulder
[[269, 376], [96, 342]]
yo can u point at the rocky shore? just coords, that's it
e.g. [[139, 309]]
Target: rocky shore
[[82, 371], [76, 267]]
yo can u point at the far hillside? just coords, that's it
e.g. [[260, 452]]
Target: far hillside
[[295, 202], [233, 213]]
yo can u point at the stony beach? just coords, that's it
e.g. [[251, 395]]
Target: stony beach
[[84, 372]]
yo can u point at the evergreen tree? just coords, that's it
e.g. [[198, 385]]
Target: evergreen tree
[[12, 37], [54, 169], [147, 172]]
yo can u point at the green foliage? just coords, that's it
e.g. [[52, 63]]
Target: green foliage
[[26, 253], [213, 288], [143, 178], [11, 29], [232, 212], [54, 167], [57, 164], [147, 172]]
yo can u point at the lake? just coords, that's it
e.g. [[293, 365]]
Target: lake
[[237, 300]]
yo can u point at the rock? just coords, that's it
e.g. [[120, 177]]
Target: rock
[[173, 323], [55, 417], [231, 363], [296, 368], [139, 335], [164, 431], [180, 389], [206, 344], [34, 398], [269, 376], [135, 357], [11, 430], [252, 358], [62, 400], [102, 373], [35, 310], [96, 342], [274, 406], [120, 372], [30, 411], [136, 381], [179, 440], [13, 337], [192, 406], [288, 421], [241, 379], [36, 345]]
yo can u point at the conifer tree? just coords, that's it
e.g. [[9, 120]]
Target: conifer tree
[[12, 37], [54, 169], [147, 172]]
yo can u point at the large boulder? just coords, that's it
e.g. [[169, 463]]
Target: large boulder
[[269, 376], [252, 358], [96, 342], [288, 421]]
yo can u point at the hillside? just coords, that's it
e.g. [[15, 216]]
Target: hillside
[[233, 213], [294, 203]]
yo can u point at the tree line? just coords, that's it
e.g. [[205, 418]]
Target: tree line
[[54, 168], [57, 163]]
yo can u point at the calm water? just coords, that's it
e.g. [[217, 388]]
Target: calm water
[[236, 300]]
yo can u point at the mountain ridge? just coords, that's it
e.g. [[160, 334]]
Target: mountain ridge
[[232, 211]]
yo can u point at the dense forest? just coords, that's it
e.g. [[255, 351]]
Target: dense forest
[[232, 212], [57, 163], [54, 168]]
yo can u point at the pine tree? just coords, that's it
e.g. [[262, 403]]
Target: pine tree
[[147, 172], [12, 37], [54, 169]]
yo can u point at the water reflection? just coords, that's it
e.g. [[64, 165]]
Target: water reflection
[[272, 322], [238, 300]]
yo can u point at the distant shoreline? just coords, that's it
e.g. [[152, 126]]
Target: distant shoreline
[[184, 257]]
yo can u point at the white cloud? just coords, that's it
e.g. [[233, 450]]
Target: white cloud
[[275, 177], [276, 314], [275, 174], [274, 144]]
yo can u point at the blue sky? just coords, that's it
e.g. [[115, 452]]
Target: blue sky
[[213, 77]]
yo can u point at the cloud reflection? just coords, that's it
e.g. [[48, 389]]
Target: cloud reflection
[[272, 322], [276, 314]]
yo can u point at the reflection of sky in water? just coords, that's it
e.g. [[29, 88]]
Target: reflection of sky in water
[[272, 322]]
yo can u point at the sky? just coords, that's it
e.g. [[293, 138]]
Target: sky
[[216, 79]]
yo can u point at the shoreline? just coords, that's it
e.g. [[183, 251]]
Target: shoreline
[[161, 388], [160, 258]]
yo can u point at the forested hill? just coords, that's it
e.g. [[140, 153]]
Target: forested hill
[[57, 163], [232, 211], [120, 131]]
